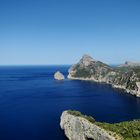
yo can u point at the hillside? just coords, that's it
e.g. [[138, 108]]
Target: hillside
[[127, 78]]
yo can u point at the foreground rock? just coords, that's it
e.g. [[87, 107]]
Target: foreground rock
[[80, 128], [59, 76], [127, 78]]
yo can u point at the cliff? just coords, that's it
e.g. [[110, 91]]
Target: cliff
[[81, 127], [127, 78]]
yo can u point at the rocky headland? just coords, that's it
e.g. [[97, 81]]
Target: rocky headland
[[59, 76], [123, 77], [81, 127]]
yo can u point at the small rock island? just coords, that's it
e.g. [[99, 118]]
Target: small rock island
[[59, 76]]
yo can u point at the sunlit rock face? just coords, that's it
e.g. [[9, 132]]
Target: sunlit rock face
[[86, 60], [78, 128], [138, 89], [126, 78], [59, 76]]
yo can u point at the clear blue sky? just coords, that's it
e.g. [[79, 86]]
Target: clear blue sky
[[61, 31]]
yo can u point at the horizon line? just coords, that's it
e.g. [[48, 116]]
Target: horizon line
[[46, 64]]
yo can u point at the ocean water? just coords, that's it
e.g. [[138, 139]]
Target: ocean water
[[31, 102]]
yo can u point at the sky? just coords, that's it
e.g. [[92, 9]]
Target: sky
[[49, 32]]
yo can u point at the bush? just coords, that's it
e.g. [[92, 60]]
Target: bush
[[79, 114], [128, 130]]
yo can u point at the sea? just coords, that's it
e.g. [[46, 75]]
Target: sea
[[31, 102]]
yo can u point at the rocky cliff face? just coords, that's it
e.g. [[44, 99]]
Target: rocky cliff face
[[79, 128], [127, 78]]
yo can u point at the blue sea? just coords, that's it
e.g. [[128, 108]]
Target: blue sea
[[31, 102]]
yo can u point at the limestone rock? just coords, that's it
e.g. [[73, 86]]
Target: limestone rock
[[78, 128], [138, 89], [86, 60], [59, 76]]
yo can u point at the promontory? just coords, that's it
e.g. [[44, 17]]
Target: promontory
[[126, 77], [82, 127]]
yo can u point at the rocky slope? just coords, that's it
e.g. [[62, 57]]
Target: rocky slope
[[79, 127], [127, 78]]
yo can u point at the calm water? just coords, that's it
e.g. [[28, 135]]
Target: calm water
[[31, 102]]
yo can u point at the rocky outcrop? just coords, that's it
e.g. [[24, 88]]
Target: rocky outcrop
[[138, 88], [59, 76], [127, 78], [79, 128]]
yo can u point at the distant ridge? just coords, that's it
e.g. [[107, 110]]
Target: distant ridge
[[130, 64]]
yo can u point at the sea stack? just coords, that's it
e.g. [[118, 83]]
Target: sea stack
[[59, 76]]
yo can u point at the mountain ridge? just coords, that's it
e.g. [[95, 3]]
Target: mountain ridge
[[126, 78]]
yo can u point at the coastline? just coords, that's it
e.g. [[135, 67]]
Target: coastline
[[132, 92]]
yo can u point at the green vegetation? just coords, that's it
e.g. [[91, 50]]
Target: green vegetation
[[128, 130], [79, 114], [128, 76], [101, 64], [125, 76], [81, 72], [137, 71]]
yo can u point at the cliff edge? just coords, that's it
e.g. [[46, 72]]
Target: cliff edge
[[81, 127]]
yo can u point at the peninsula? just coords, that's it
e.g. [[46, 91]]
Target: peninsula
[[126, 77]]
